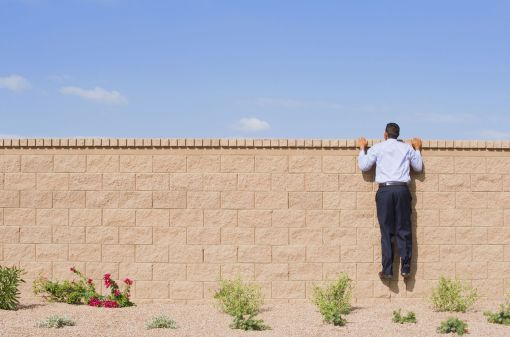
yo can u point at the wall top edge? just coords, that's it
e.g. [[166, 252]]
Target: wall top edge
[[233, 143]]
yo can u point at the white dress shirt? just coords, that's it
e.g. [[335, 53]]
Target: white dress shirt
[[393, 159]]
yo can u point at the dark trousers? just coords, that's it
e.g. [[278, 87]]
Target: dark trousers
[[394, 215]]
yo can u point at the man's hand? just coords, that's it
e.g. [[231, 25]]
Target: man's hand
[[362, 143], [416, 143]]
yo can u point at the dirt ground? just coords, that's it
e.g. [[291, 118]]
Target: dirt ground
[[286, 320]]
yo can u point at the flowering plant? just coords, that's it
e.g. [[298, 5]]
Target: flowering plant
[[117, 298]]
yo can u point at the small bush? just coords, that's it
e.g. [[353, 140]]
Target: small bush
[[451, 295], [241, 301], [410, 317], [453, 324], [502, 316], [161, 322], [56, 321], [334, 300], [10, 279]]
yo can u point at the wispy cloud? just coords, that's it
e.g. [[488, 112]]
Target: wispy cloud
[[59, 78], [14, 83], [97, 94], [251, 125], [495, 134], [444, 118]]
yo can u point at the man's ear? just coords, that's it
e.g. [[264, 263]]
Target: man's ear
[[385, 135]]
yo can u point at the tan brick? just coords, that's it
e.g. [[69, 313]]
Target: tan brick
[[271, 164], [455, 253], [255, 254], [135, 235], [168, 272], [186, 182], [85, 217], [498, 200], [31, 199], [168, 164], [185, 254], [305, 236], [152, 181], [439, 164], [368, 272], [233, 270], [19, 217], [206, 163], [288, 218], [102, 199], [338, 164], [69, 199], [471, 200], [471, 235], [9, 234], [52, 217], [470, 165], [354, 183], [486, 182], [203, 235], [322, 218], [85, 181], [254, 218], [321, 182], [135, 199], [271, 200], [152, 217], [364, 200], [203, 272], [35, 234], [498, 270], [498, 165], [305, 200], [506, 218], [34, 270], [9, 198], [52, 181], [331, 271], [340, 236], [19, 181], [455, 217], [289, 253], [18, 252], [119, 217], [454, 182], [486, 253], [203, 200], [305, 164], [169, 235], [237, 236], [470, 270], [137, 271], [237, 163], [120, 253], [171, 199], [271, 236], [491, 289], [36, 163], [271, 272], [105, 235], [322, 253], [69, 163], [497, 235], [356, 254], [10, 163], [357, 218], [135, 163], [66, 234], [152, 289], [237, 199], [96, 270], [424, 182], [439, 235], [288, 289], [254, 182], [305, 271], [151, 253], [439, 200], [427, 218], [119, 181], [433, 271], [51, 252], [288, 182], [339, 200], [220, 254], [506, 183], [186, 290], [85, 252], [220, 217], [219, 181], [103, 163], [61, 270]]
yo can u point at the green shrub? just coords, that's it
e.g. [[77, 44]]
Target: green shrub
[[334, 300], [502, 316], [410, 317], [161, 322], [10, 279], [242, 302], [453, 324], [56, 321], [451, 295]]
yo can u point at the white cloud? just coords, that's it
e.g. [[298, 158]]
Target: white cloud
[[97, 94], [15, 83], [252, 125], [495, 134]]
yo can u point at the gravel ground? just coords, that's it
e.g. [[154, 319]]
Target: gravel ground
[[286, 320]]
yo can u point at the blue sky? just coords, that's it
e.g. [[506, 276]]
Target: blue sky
[[261, 69]]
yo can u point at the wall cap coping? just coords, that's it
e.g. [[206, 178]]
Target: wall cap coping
[[267, 143]]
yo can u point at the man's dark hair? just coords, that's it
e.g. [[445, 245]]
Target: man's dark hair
[[393, 130]]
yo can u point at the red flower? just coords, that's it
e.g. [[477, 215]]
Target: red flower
[[106, 276], [107, 283], [95, 302], [72, 269], [117, 293], [110, 304], [89, 281], [128, 281]]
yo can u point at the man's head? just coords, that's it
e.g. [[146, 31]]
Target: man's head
[[392, 131]]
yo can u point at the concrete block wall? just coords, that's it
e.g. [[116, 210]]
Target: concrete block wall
[[176, 215]]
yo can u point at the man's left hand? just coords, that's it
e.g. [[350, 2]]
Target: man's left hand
[[362, 143]]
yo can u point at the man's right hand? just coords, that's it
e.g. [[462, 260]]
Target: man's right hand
[[362, 143], [416, 143]]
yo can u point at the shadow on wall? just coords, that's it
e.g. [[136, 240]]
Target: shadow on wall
[[393, 284]]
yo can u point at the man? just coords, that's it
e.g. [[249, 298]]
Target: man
[[393, 159]]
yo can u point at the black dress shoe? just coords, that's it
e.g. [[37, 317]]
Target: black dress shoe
[[383, 276]]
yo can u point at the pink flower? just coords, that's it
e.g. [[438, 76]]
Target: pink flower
[[128, 281], [107, 283], [72, 269], [110, 304], [89, 281], [95, 302], [117, 293], [106, 276]]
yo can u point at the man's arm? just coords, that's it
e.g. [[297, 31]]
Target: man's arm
[[416, 160], [365, 160]]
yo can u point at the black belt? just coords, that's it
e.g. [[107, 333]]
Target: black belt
[[392, 183]]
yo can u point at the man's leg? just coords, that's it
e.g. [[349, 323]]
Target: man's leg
[[385, 215], [403, 227]]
